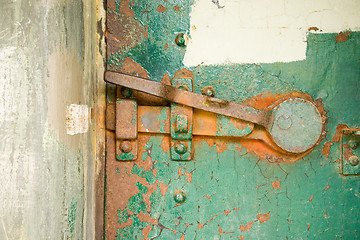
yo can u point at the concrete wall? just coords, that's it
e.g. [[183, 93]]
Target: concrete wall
[[48, 60]]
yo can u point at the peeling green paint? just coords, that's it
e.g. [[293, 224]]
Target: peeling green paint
[[232, 187]]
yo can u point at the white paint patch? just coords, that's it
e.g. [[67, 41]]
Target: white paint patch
[[77, 119], [262, 31]]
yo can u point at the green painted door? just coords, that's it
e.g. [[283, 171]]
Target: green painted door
[[234, 187]]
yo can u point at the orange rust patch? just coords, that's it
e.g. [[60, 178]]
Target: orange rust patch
[[342, 37], [241, 238], [165, 144], [208, 197], [202, 225], [339, 130], [248, 226], [327, 187], [221, 231], [146, 218], [263, 217], [166, 46], [226, 212], [326, 149], [347, 151], [184, 73], [160, 8], [177, 223], [221, 147], [276, 184], [176, 8], [308, 225], [146, 230], [311, 198], [189, 177], [146, 32], [131, 67], [163, 188], [313, 28], [182, 237]]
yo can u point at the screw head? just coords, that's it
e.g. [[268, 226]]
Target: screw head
[[180, 148], [180, 40], [125, 147], [179, 196], [353, 160]]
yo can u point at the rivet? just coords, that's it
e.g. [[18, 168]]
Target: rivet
[[180, 40], [208, 91], [125, 147], [180, 148], [179, 196], [353, 160]]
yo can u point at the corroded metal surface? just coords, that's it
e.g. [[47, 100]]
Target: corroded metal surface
[[236, 187], [295, 124]]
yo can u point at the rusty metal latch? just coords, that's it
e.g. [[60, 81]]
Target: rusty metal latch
[[294, 124]]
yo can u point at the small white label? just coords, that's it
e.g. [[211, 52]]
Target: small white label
[[77, 119]]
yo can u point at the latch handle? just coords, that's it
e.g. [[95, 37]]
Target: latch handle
[[295, 124]]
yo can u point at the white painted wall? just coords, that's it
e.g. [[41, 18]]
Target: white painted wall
[[262, 31]]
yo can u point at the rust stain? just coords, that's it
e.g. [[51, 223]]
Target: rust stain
[[326, 149], [241, 238], [308, 226], [163, 188], [122, 30], [165, 145], [338, 133], [342, 36], [208, 197], [276, 184], [347, 151], [176, 8], [184, 73], [146, 218], [189, 177], [221, 231], [327, 187], [226, 212], [248, 226], [176, 223], [202, 225], [221, 146], [146, 230], [313, 29], [160, 8], [166, 46], [182, 237], [263, 217], [311, 198], [146, 32]]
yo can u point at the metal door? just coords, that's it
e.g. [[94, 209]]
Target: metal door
[[235, 183]]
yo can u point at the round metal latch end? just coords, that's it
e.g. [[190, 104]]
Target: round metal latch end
[[179, 196], [297, 125]]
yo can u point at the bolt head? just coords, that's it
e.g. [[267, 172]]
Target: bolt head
[[125, 147], [179, 196], [208, 91], [353, 160], [181, 148], [180, 40]]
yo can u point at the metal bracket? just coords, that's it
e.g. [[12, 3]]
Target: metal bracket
[[126, 129], [350, 151], [181, 126]]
